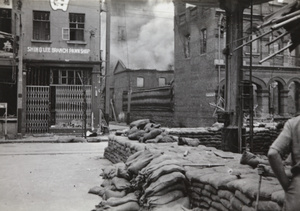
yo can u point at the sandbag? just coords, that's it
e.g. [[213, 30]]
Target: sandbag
[[129, 206], [193, 142], [174, 205], [164, 170], [95, 190], [132, 130], [164, 182], [120, 184], [167, 139], [136, 135], [140, 163], [131, 197], [140, 124], [252, 160], [106, 183], [152, 134], [153, 166], [133, 157], [108, 172], [164, 199], [108, 193]]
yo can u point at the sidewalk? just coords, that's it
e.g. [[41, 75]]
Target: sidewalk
[[53, 138]]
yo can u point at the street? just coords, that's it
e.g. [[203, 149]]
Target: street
[[54, 177]]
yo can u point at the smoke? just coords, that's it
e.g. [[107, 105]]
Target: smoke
[[142, 34]]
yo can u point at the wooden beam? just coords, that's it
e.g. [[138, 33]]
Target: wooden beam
[[216, 3]]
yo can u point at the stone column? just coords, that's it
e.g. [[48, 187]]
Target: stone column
[[284, 102], [263, 102]]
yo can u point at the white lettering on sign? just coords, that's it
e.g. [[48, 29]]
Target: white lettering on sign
[[57, 50], [59, 4]]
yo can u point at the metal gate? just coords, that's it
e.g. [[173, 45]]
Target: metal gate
[[69, 103], [37, 109]]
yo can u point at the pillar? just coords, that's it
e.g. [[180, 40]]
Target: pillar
[[263, 102], [284, 102]]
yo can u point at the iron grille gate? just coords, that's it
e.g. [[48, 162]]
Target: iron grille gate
[[37, 109]]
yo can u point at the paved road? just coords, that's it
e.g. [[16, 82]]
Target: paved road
[[50, 177]]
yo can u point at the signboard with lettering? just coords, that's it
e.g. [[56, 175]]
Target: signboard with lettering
[[7, 4], [57, 50]]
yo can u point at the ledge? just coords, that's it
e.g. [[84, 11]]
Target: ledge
[[76, 42], [42, 41]]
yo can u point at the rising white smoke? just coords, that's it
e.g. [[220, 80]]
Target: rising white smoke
[[147, 41]]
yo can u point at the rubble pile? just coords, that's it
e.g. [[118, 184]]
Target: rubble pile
[[148, 180]]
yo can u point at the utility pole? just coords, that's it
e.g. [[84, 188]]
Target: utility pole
[[107, 60]]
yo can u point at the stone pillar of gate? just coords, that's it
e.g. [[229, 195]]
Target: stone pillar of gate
[[284, 102], [96, 96], [263, 102]]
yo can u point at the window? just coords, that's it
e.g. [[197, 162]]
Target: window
[[140, 82], [5, 20], [187, 46], [76, 24], [203, 41], [70, 77], [65, 33], [276, 46], [255, 44], [121, 33], [161, 81], [41, 25]]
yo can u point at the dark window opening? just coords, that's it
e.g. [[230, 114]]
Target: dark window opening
[[76, 25], [70, 77], [41, 25], [8, 93], [5, 20], [203, 41]]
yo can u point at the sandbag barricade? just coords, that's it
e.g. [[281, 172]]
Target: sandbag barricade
[[162, 184]]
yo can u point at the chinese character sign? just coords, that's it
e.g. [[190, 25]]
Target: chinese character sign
[[59, 4]]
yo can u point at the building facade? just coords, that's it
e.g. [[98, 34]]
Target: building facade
[[129, 80], [200, 48], [59, 68]]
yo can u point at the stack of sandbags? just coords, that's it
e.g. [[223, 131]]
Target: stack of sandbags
[[148, 181], [216, 189], [120, 148], [145, 131]]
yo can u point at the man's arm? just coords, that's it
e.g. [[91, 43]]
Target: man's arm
[[278, 168]]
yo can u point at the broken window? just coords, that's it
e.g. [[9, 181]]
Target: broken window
[[76, 24], [161, 81], [41, 25], [203, 41], [187, 46], [70, 77], [140, 82]]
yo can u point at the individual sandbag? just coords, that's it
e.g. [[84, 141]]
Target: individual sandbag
[[252, 160], [154, 140], [95, 190], [178, 186], [193, 142], [278, 197], [131, 197], [153, 166], [136, 135], [120, 184], [132, 157], [108, 193], [132, 130], [143, 161], [242, 197], [152, 134], [167, 139], [236, 204], [140, 124], [122, 172], [164, 182], [106, 183], [267, 205], [129, 206], [108, 172], [164, 199], [167, 169], [179, 204]]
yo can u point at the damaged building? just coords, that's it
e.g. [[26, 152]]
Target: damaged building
[[200, 55]]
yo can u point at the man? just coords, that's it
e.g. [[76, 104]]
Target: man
[[287, 142]]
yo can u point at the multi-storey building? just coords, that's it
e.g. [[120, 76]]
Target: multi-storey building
[[200, 40], [59, 64]]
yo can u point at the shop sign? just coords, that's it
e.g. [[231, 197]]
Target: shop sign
[[57, 50], [59, 4], [7, 4]]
